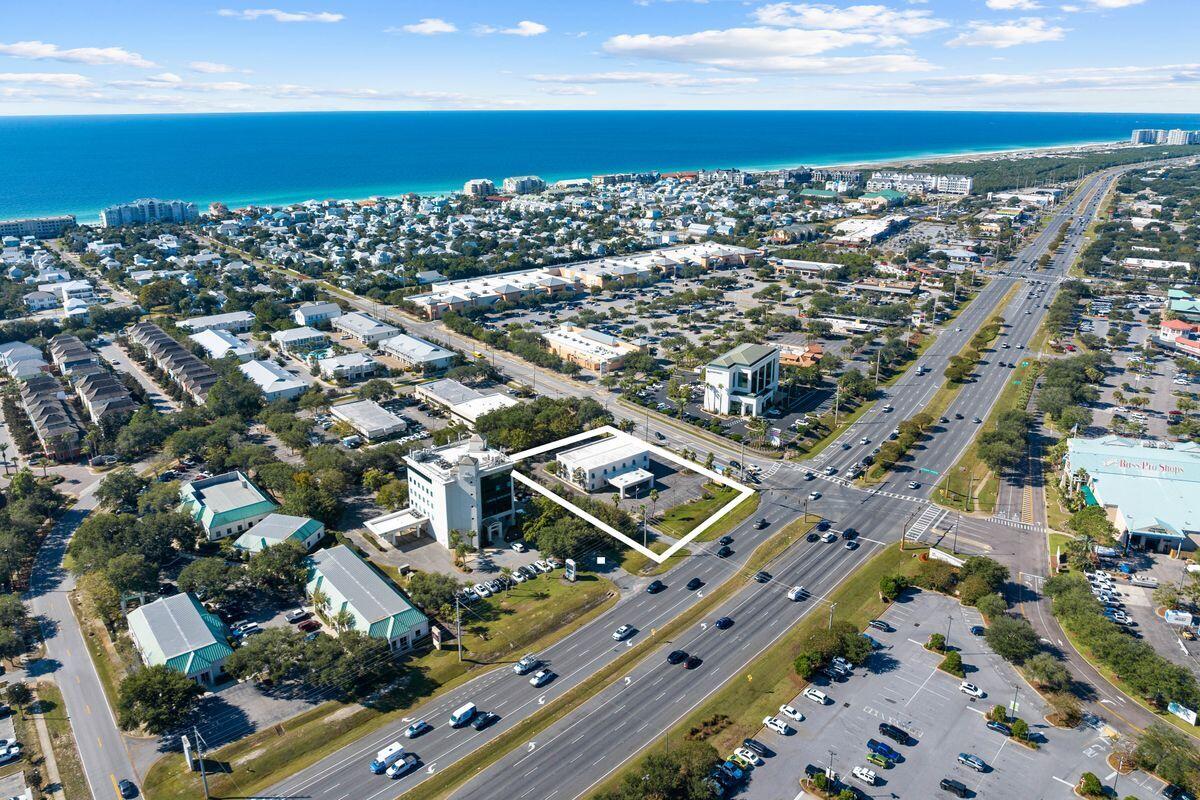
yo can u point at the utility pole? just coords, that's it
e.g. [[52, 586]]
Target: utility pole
[[200, 759], [832, 606], [954, 547], [878, 356], [742, 462], [837, 401], [458, 625], [949, 619]]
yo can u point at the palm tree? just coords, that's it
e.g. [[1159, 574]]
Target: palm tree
[[653, 503], [320, 600], [4, 455], [343, 620], [506, 578], [616, 500], [758, 426]]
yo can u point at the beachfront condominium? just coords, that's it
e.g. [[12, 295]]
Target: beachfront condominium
[[479, 187], [146, 210], [743, 381], [524, 184], [37, 227], [1175, 136], [920, 183]]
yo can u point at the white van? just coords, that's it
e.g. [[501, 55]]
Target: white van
[[1149, 581], [386, 757], [796, 593], [462, 715]]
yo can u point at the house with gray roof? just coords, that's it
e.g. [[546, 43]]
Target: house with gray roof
[[225, 504], [276, 529], [418, 354], [177, 632], [375, 607]]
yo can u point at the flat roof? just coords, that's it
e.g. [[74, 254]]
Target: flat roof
[[449, 391], [1150, 485], [604, 452], [588, 341], [631, 478], [367, 415], [476, 407]]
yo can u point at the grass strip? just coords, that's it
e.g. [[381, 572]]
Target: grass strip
[[62, 740], [771, 679], [444, 783], [256, 762]]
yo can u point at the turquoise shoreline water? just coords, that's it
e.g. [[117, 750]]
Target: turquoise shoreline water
[[81, 164]]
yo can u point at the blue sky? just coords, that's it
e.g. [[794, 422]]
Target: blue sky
[[137, 56]]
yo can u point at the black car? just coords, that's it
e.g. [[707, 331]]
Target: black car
[[957, 788], [723, 623], [675, 656], [483, 720], [812, 537], [694, 584], [725, 552], [958, 416], [849, 533], [823, 525], [762, 523], [127, 788], [725, 540], [1173, 792], [693, 662], [655, 587], [978, 630], [763, 577], [894, 733], [756, 746]]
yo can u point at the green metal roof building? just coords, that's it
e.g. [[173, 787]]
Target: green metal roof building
[[376, 606], [177, 632], [276, 529], [225, 504]]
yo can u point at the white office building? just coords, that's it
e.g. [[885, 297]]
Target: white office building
[[619, 461], [364, 327], [743, 381], [275, 382], [418, 354], [369, 418], [465, 486]]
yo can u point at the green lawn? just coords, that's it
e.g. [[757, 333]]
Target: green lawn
[[444, 783], [1057, 542], [680, 520], [530, 617], [771, 680]]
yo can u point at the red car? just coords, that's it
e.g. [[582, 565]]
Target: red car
[[309, 625]]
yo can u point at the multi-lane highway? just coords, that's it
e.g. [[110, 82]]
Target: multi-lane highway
[[655, 694]]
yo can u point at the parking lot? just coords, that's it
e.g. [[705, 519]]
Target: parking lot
[[902, 685]]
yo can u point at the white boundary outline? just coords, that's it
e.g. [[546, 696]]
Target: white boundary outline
[[664, 454]]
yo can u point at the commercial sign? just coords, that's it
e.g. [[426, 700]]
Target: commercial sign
[[1182, 712], [569, 569]]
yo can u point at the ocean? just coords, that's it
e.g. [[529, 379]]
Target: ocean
[[79, 165]]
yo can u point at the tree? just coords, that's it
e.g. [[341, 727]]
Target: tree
[[281, 569], [892, 586], [104, 597], [936, 576], [234, 394], [680, 773], [1013, 639], [119, 491], [433, 591], [211, 579], [991, 605], [1169, 754], [131, 572], [1048, 673], [953, 664], [393, 495], [276, 655], [18, 694], [156, 698]]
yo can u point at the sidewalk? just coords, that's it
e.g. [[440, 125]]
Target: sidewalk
[[53, 786]]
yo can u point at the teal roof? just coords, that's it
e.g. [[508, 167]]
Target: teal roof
[[378, 607], [825, 193], [886, 194], [1154, 489], [275, 529], [176, 631], [1188, 306], [744, 355], [224, 499]]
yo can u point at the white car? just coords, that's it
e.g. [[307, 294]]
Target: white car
[[748, 754], [542, 566], [816, 695], [777, 725], [482, 590], [814, 495], [829, 536], [518, 547], [519, 577], [865, 775], [541, 678], [622, 632], [864, 440], [789, 711], [971, 689]]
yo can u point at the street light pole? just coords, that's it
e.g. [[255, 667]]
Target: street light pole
[[458, 625], [832, 606]]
